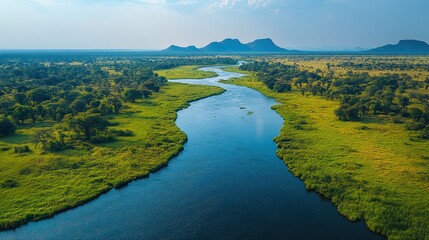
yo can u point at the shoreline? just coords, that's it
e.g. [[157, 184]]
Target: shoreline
[[119, 184]]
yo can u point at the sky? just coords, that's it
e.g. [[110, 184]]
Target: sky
[[156, 24]]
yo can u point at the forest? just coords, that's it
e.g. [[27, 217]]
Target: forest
[[75, 125], [360, 95], [357, 137], [79, 95]]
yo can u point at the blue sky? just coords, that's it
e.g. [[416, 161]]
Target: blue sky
[[156, 24]]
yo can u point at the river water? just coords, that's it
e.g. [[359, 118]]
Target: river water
[[226, 184]]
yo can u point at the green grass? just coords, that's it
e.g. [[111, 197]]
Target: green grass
[[53, 182], [373, 170], [185, 72]]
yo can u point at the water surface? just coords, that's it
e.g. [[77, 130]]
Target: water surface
[[226, 184]]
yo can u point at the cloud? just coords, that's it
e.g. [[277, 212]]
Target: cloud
[[259, 3], [187, 2], [149, 2], [229, 4], [223, 4]]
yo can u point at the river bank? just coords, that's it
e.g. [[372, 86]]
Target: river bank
[[227, 183], [370, 170], [56, 182]]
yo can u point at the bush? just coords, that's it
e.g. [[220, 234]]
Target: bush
[[121, 133], [102, 139], [425, 133], [49, 140], [9, 184], [363, 128], [397, 119], [3, 149], [21, 149], [415, 126], [7, 128]]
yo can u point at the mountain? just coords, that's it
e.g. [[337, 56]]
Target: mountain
[[403, 47], [264, 45], [231, 46], [227, 45], [177, 49]]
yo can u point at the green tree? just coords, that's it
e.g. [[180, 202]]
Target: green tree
[[20, 98], [131, 95], [404, 101], [115, 103], [49, 140], [78, 106], [88, 125], [37, 95], [7, 128], [416, 114], [146, 93], [21, 113]]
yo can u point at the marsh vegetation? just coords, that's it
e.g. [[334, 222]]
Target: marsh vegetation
[[75, 126], [357, 137]]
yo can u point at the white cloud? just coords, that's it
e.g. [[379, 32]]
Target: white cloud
[[47, 2], [224, 4], [259, 3], [187, 2], [153, 2], [228, 4]]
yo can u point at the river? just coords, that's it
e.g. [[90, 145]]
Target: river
[[226, 184]]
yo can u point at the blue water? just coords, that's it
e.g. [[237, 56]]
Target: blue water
[[226, 184]]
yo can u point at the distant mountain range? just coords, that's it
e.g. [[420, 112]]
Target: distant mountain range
[[231, 46], [404, 47]]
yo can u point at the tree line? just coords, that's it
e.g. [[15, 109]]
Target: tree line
[[78, 94], [360, 95]]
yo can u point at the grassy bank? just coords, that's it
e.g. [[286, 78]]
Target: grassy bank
[[188, 72], [36, 185], [372, 170]]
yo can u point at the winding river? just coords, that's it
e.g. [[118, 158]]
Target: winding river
[[226, 184]]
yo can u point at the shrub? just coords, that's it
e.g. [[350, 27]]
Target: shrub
[[21, 149], [7, 128], [9, 184], [425, 133], [102, 139], [49, 140], [121, 133], [415, 126], [3, 149], [397, 119], [364, 128]]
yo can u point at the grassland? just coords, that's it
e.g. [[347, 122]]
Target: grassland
[[48, 183], [372, 170], [381, 64], [188, 72]]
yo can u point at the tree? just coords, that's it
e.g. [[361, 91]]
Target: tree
[[20, 98], [404, 101], [42, 138], [38, 95], [78, 106], [146, 93], [21, 112], [416, 114], [7, 128], [89, 125], [115, 103], [49, 140], [131, 95]]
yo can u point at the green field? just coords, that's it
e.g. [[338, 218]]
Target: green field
[[373, 170], [188, 72], [43, 184]]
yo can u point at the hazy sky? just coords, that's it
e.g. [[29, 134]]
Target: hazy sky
[[156, 24]]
